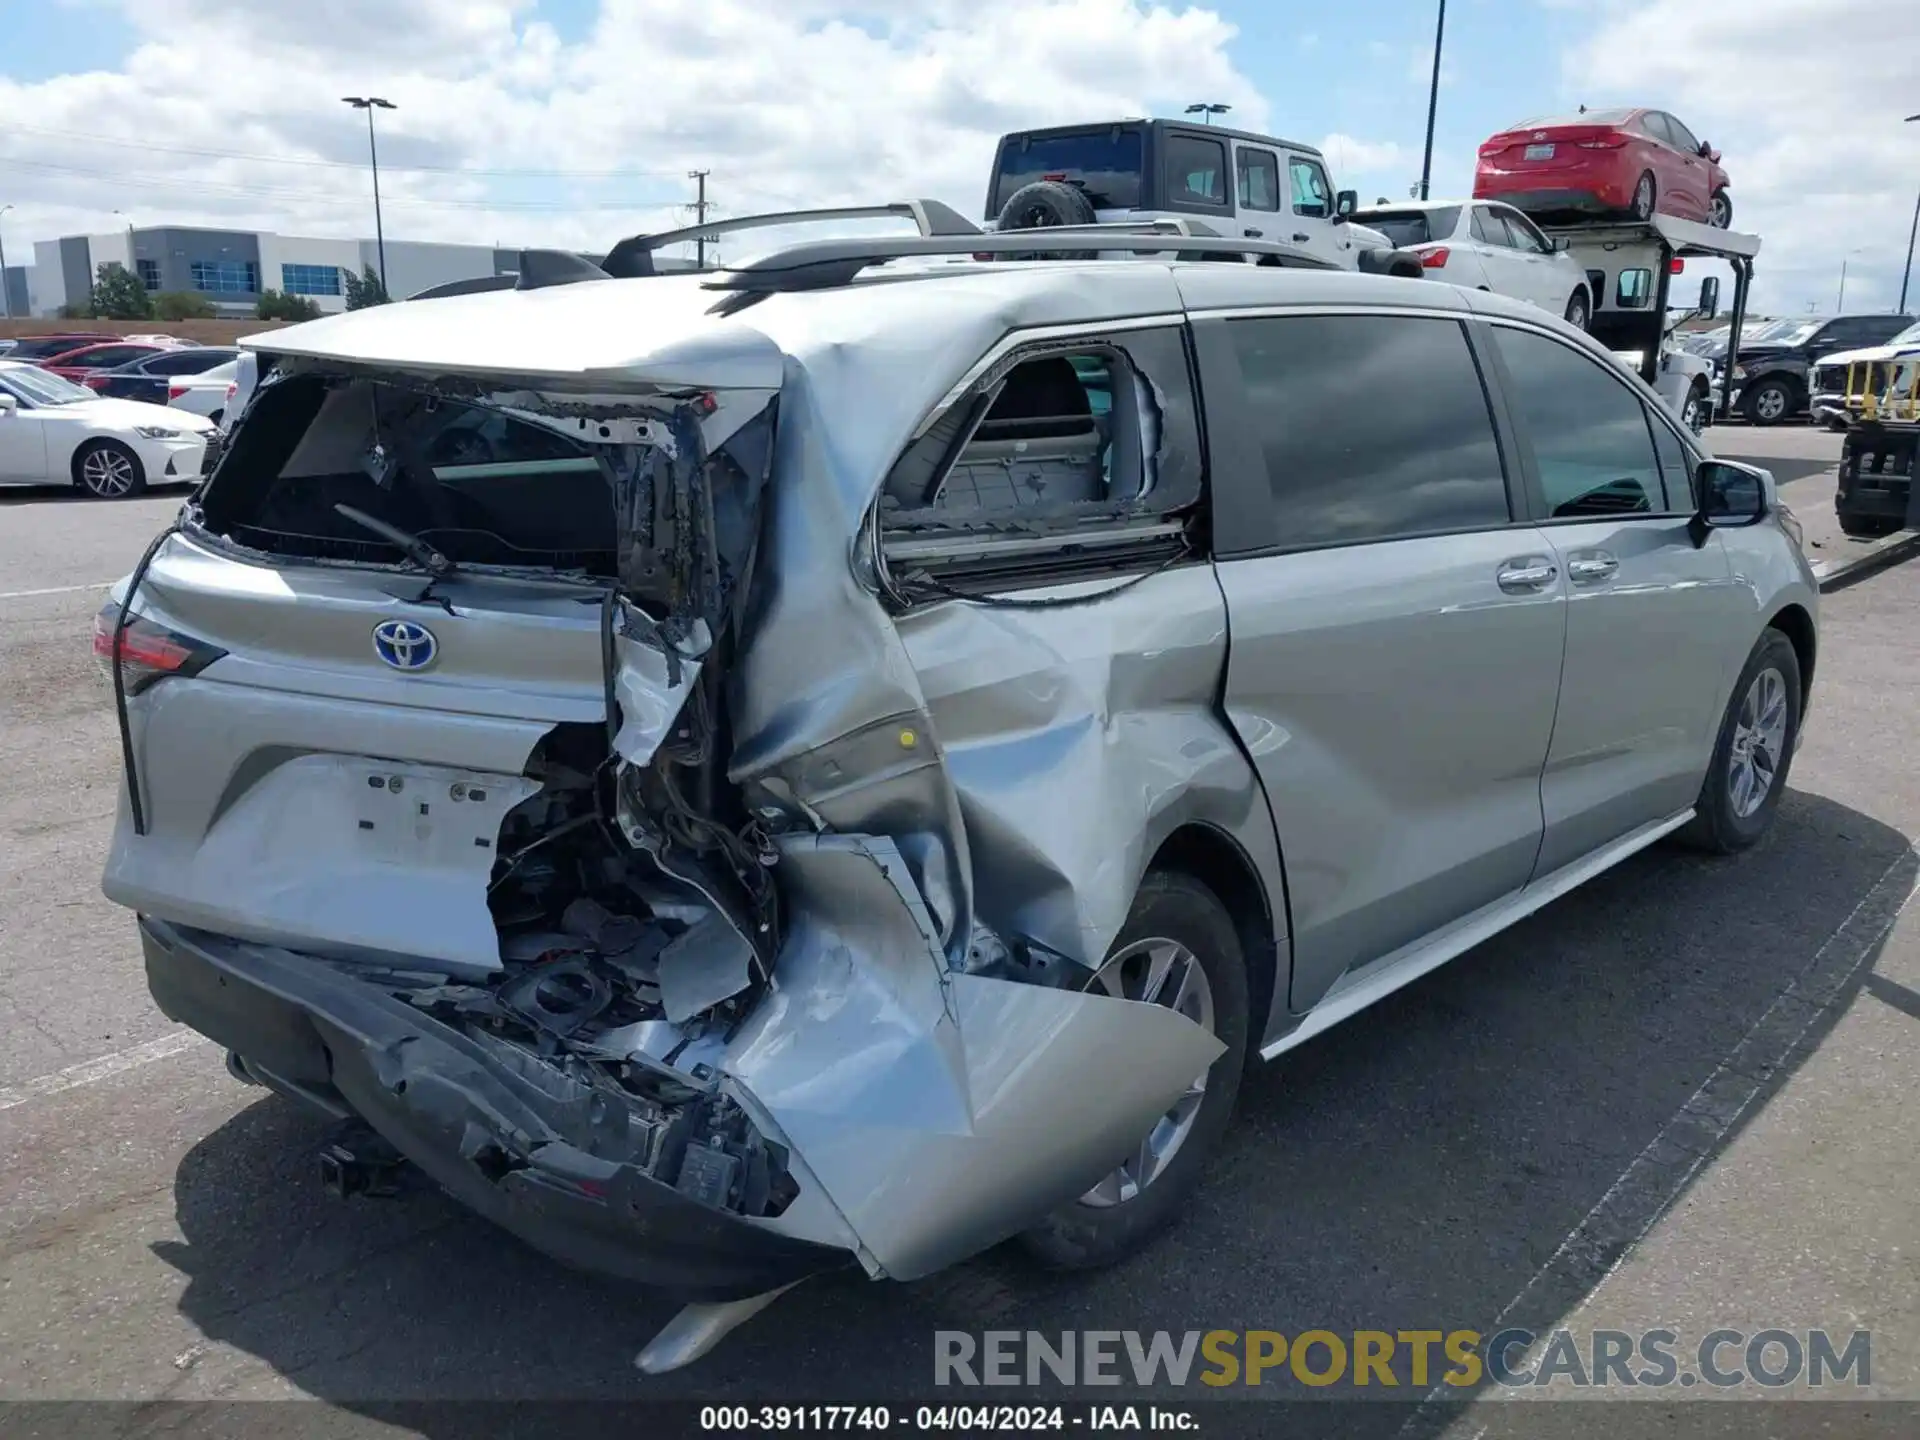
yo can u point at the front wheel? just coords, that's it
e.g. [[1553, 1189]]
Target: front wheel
[[1748, 772], [1720, 211], [1769, 402], [1577, 310], [108, 470], [1179, 949], [1693, 414]]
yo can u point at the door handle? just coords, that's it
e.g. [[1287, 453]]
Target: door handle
[[1252, 234], [1300, 238], [1588, 569], [1526, 575]]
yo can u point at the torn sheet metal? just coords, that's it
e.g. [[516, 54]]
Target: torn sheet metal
[[940, 1112], [650, 686]]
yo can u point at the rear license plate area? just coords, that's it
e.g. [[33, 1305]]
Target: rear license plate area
[[1539, 152]]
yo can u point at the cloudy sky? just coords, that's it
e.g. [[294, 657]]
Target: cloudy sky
[[573, 122]]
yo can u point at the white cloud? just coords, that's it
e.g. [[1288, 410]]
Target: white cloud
[[1806, 104], [805, 102]]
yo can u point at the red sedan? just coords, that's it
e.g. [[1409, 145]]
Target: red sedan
[[84, 360], [1624, 162]]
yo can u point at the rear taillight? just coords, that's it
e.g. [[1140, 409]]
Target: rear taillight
[[147, 651], [233, 389], [175, 391], [1492, 148], [94, 382], [1676, 266], [1604, 142], [1434, 259]]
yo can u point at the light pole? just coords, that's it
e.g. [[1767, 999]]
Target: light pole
[[371, 103], [6, 289], [1208, 110], [1840, 305], [1912, 230], [1433, 101]]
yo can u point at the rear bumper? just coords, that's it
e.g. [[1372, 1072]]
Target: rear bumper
[[483, 1131], [1544, 190]]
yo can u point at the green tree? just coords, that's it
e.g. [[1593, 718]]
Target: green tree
[[119, 295], [277, 306], [182, 305], [364, 289]]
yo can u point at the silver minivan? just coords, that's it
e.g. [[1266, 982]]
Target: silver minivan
[[844, 763]]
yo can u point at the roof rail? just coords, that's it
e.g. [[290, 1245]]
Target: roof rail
[[633, 256], [825, 264]]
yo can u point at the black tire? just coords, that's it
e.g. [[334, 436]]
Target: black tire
[[1720, 211], [1078, 1236], [1717, 825], [1694, 407], [97, 460], [1864, 527], [1761, 409], [1043, 205], [1646, 197], [1577, 312]]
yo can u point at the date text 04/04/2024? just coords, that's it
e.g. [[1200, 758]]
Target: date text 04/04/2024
[[961, 1419]]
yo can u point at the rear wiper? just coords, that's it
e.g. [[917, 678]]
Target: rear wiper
[[417, 550]]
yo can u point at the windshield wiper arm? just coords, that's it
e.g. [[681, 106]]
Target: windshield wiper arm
[[417, 550]]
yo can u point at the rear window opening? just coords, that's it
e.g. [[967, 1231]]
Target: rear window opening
[[1048, 434], [479, 484], [1105, 164]]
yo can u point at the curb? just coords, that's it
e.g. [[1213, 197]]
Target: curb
[[1890, 550]]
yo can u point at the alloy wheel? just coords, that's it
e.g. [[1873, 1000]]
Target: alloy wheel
[[1720, 214], [106, 472], [1165, 973], [1770, 403], [1759, 743]]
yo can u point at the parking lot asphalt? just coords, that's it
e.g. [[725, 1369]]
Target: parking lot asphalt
[[1681, 1095]]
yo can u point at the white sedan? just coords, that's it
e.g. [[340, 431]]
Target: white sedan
[[1484, 245], [207, 393], [53, 432]]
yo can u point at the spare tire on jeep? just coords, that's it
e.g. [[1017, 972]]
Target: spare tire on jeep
[[1403, 263], [1043, 205]]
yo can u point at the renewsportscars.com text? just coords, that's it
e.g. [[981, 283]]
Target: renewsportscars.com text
[[1409, 1359]]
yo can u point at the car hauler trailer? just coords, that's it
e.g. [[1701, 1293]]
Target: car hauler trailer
[[1631, 266]]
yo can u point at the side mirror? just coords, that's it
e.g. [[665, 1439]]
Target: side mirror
[[1561, 243], [7, 403], [1345, 203], [1732, 496], [1706, 150], [1709, 305]]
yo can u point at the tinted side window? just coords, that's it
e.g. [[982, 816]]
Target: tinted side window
[[183, 362], [1525, 236], [1196, 170], [1589, 430], [1421, 461], [1488, 230], [1655, 124], [1259, 176], [1682, 136]]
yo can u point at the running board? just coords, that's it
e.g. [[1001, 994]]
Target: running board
[[1358, 989]]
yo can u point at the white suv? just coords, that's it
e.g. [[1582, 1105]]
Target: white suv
[[1227, 182]]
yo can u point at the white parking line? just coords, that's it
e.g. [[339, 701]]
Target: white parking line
[[1644, 1191], [53, 590], [88, 1072]]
